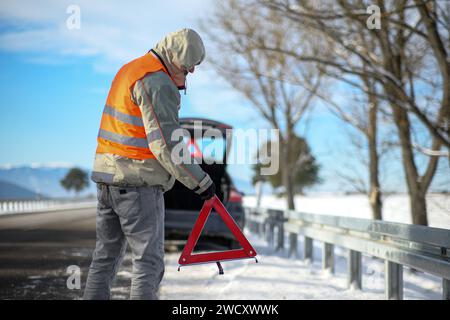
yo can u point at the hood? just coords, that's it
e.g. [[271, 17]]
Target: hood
[[180, 51]]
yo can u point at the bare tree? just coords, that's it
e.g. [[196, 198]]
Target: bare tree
[[340, 21], [279, 88], [400, 62]]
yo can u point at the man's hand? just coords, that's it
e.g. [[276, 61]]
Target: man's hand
[[208, 193]]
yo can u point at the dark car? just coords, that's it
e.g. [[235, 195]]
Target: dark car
[[183, 205]]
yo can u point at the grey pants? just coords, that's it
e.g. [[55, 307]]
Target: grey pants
[[133, 215]]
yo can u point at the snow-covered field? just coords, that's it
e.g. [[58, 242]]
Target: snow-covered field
[[278, 277], [396, 208]]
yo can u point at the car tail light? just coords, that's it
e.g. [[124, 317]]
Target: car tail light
[[235, 196]]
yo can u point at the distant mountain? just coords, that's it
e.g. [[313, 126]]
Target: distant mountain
[[44, 180], [40, 179], [10, 191]]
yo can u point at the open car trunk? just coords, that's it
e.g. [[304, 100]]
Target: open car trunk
[[180, 197]]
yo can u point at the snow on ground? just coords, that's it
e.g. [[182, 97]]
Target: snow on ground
[[276, 276], [396, 208]]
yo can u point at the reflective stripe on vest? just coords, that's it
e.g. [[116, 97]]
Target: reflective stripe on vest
[[122, 130], [127, 118], [125, 140]]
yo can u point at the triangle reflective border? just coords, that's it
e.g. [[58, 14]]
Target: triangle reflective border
[[247, 251]]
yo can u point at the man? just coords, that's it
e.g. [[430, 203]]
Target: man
[[133, 166]]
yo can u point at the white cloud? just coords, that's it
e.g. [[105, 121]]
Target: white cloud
[[112, 33]]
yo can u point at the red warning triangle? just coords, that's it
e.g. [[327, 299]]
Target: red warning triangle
[[246, 252]]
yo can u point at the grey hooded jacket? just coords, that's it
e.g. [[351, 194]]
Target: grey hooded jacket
[[159, 101]]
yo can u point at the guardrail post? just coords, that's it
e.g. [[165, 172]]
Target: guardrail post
[[354, 270], [261, 229], [266, 227], [393, 280], [270, 235], [252, 222], [328, 257], [293, 241], [258, 228], [308, 249], [445, 289], [280, 236]]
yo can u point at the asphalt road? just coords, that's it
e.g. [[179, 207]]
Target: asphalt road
[[37, 248]]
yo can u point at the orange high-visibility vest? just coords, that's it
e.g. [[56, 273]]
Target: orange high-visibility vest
[[122, 129]]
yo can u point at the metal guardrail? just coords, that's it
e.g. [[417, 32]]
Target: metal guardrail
[[24, 206], [419, 247]]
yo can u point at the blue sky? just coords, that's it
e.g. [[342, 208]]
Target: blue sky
[[54, 81]]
